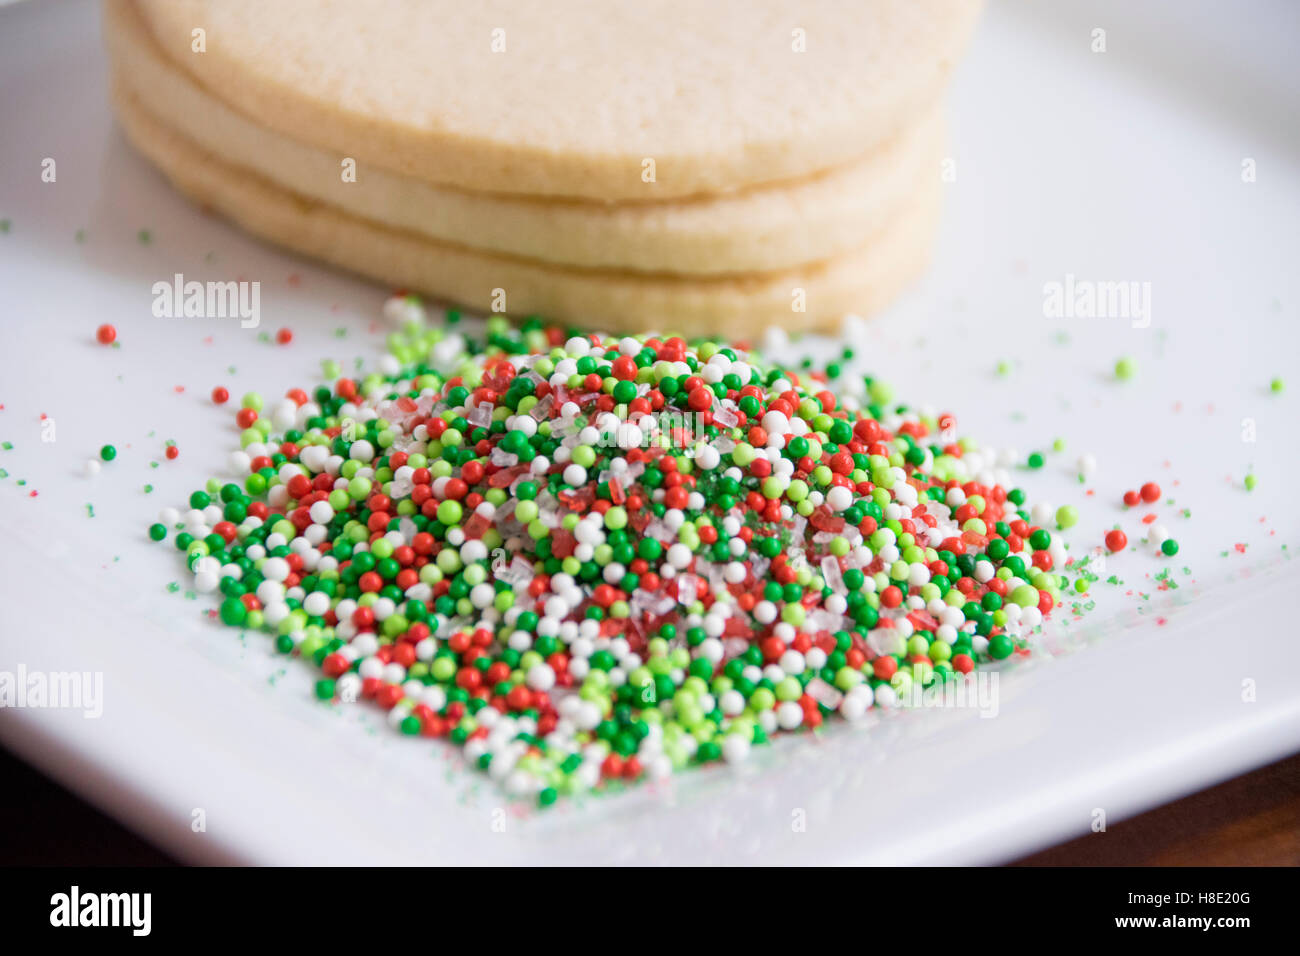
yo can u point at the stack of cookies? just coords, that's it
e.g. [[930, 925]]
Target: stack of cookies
[[697, 166]]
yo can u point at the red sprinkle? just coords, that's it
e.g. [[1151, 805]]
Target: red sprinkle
[[284, 336], [172, 451], [1116, 540], [106, 334], [1150, 492], [220, 395]]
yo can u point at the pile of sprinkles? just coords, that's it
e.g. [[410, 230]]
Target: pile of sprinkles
[[586, 560]]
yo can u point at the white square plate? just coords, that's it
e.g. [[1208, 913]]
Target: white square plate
[[1117, 166]]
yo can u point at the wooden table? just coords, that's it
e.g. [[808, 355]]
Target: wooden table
[[1251, 820]]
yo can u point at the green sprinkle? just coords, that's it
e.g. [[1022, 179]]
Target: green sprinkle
[[1125, 369]]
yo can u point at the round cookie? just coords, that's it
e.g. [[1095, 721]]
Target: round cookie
[[570, 99], [738, 307], [760, 229]]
